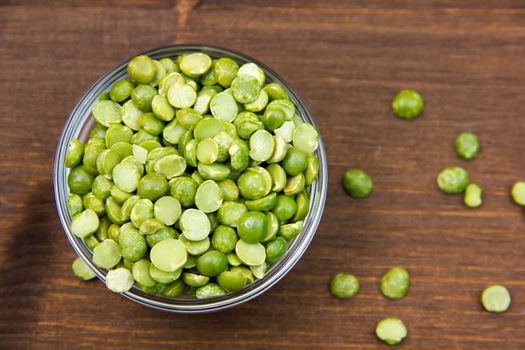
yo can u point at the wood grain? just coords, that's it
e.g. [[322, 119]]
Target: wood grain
[[346, 59]]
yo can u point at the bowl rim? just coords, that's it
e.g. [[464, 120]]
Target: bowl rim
[[80, 115]]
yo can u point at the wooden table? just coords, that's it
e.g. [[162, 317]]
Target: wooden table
[[346, 59]]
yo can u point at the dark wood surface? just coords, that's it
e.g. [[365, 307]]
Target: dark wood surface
[[346, 59]]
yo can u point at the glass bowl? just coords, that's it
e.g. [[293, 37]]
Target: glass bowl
[[79, 124]]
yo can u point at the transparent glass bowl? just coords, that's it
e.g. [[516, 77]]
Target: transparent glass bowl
[[79, 124]]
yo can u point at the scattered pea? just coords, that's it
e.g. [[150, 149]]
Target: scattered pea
[[391, 330], [81, 270], [473, 196], [395, 282], [467, 146], [344, 286], [357, 183], [407, 104], [518, 193], [496, 299], [453, 179]]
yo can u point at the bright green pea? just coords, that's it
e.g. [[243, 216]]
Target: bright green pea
[[142, 97], [312, 169], [152, 186], [518, 193], [344, 286], [94, 203], [142, 69], [251, 254], [230, 191], [223, 106], [239, 155], [262, 204], [107, 113], [142, 210], [253, 70], [188, 118], [276, 113], [273, 227], [467, 146], [162, 108], [183, 188], [407, 104], [118, 195], [196, 248], [167, 210], [209, 290], [453, 179], [114, 232], [132, 245], [231, 281], [101, 187], [473, 196], [285, 208], [91, 241], [141, 273], [395, 283], [294, 185], [124, 149], [245, 88], [173, 132], [292, 230], [278, 177], [357, 183], [195, 64], [82, 271], [276, 249], [212, 263], [74, 154], [246, 124], [159, 235], [194, 280], [98, 131], [142, 136], [259, 104], [121, 90], [254, 184], [225, 70], [496, 299], [150, 226], [391, 330], [107, 254], [303, 205], [74, 204], [215, 172], [224, 239], [119, 280], [174, 289], [84, 223], [252, 226], [295, 161], [118, 133], [208, 78], [168, 255], [276, 92], [230, 212]]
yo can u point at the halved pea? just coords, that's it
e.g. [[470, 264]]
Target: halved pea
[[195, 64], [190, 152], [230, 212], [223, 106], [194, 224], [142, 211], [278, 177], [114, 211], [306, 138], [191, 262], [245, 88], [141, 273], [233, 259], [183, 188], [225, 70], [285, 208], [194, 280], [173, 132], [74, 204], [208, 197], [207, 128], [107, 254], [84, 224], [276, 249], [132, 245], [260, 102], [131, 115], [230, 191], [196, 248], [107, 113], [239, 154], [303, 205], [253, 184], [261, 145], [253, 70], [162, 108], [290, 231], [207, 151], [276, 92], [169, 255], [224, 142], [167, 210], [294, 185], [251, 254], [181, 95], [162, 276], [262, 204], [140, 153], [119, 280], [118, 133], [150, 227], [126, 177], [74, 154], [170, 166], [286, 131], [312, 169], [169, 80], [94, 203], [273, 227], [123, 148], [215, 172], [231, 281], [107, 160], [280, 150], [295, 162], [260, 270]]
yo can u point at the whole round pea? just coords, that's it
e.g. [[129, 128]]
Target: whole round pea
[[467, 146], [285, 208], [496, 299], [142, 69], [152, 186], [276, 249], [224, 239], [357, 183], [212, 263], [407, 104], [344, 286], [79, 180], [295, 161], [391, 330], [518, 193], [395, 282], [453, 179], [252, 227]]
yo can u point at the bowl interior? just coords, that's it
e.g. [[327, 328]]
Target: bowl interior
[[80, 122]]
